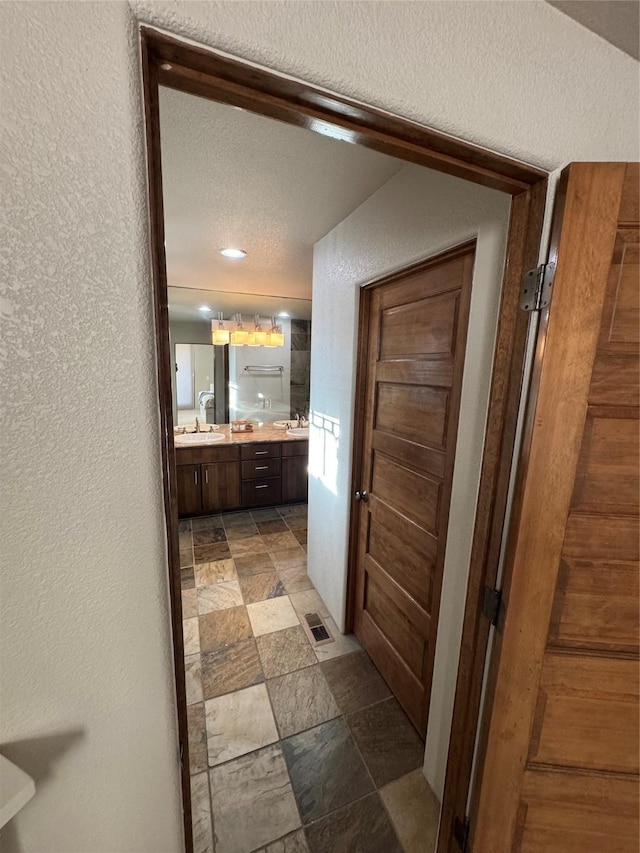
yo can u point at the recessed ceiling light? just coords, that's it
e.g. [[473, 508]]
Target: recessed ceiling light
[[205, 308], [283, 314], [233, 253]]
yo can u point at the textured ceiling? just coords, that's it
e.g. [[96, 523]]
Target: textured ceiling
[[232, 178], [617, 21]]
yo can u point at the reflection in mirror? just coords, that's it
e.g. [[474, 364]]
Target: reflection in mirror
[[218, 384]]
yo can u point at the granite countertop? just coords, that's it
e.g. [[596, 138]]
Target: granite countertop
[[265, 433]]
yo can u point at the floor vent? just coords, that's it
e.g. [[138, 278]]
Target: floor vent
[[319, 630]]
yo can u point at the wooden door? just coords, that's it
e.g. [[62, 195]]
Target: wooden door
[[189, 490], [220, 486], [417, 325], [560, 771]]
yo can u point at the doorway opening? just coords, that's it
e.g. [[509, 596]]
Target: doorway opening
[[197, 72]]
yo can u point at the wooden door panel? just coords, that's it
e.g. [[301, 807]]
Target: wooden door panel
[[608, 537], [392, 534], [403, 683], [414, 495], [563, 744], [436, 373], [574, 813], [621, 313], [417, 325], [419, 328], [615, 380], [443, 277], [609, 465], [596, 606], [391, 613], [587, 713], [416, 413], [410, 453]]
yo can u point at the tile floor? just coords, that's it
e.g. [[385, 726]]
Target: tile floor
[[293, 747]]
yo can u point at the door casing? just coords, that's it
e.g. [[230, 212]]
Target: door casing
[[170, 62]]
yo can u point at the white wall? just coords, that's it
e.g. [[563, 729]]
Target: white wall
[[416, 214], [85, 629]]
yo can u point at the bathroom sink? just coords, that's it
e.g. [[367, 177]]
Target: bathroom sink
[[298, 432], [284, 424], [199, 438]]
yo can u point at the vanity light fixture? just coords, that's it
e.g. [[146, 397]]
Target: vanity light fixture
[[205, 309], [284, 314], [257, 338], [237, 254], [219, 334], [275, 336], [240, 336]]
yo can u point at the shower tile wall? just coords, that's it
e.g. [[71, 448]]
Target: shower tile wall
[[300, 366]]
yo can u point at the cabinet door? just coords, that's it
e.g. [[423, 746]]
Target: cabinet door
[[294, 478], [220, 486], [189, 491]]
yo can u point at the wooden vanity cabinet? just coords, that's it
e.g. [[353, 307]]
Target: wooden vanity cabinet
[[260, 472], [295, 476], [220, 486], [208, 480], [215, 479], [189, 490]]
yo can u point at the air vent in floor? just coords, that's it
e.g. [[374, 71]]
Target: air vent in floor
[[318, 629]]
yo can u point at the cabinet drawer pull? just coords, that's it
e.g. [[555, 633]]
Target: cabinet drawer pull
[[261, 468], [195, 477], [262, 487], [260, 452]]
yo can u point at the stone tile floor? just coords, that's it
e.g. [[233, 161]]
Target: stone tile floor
[[294, 747]]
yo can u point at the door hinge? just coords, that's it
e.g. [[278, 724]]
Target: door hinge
[[536, 287], [461, 833], [493, 607]]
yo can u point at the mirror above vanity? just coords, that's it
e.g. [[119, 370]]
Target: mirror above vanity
[[246, 381]]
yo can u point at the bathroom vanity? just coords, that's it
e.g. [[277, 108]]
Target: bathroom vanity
[[243, 470]]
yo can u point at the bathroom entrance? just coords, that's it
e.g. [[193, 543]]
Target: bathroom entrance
[[388, 192]]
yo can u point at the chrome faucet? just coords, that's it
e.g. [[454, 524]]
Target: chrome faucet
[[197, 425]]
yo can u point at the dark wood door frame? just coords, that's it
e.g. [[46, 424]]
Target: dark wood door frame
[[199, 71]]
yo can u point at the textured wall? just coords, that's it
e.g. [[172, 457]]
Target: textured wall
[[86, 672], [87, 701], [416, 214]]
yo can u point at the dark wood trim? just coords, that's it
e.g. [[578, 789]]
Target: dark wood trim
[[356, 453], [525, 228], [221, 380], [523, 462], [199, 71], [203, 72], [165, 398]]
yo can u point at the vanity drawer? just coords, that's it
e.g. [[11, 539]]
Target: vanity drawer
[[260, 468], [295, 447], [260, 451], [203, 454], [261, 492]]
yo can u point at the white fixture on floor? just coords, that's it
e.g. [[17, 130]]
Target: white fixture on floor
[[16, 789]]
